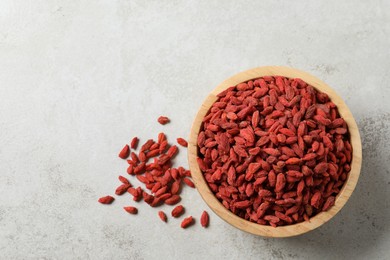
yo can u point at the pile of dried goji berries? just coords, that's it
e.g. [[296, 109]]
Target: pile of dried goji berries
[[274, 150], [163, 181]]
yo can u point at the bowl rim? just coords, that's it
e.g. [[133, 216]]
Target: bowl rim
[[263, 230]]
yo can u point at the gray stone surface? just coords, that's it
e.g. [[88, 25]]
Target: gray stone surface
[[80, 78]]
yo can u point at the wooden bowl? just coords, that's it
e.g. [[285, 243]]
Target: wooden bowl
[[263, 230]]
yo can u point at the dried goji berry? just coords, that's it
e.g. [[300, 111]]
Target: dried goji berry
[[204, 219], [187, 222], [106, 200], [125, 152]]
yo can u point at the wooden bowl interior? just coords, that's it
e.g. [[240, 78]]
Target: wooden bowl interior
[[262, 230]]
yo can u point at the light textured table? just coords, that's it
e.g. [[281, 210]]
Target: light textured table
[[78, 80]]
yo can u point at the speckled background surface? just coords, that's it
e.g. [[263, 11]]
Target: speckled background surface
[[79, 78]]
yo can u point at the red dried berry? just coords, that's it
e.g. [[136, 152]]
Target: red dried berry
[[123, 180], [131, 210], [106, 200], [189, 182], [122, 189], [134, 143], [204, 219], [174, 199], [125, 152], [162, 216], [182, 142], [163, 120], [177, 211], [172, 151], [187, 222]]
